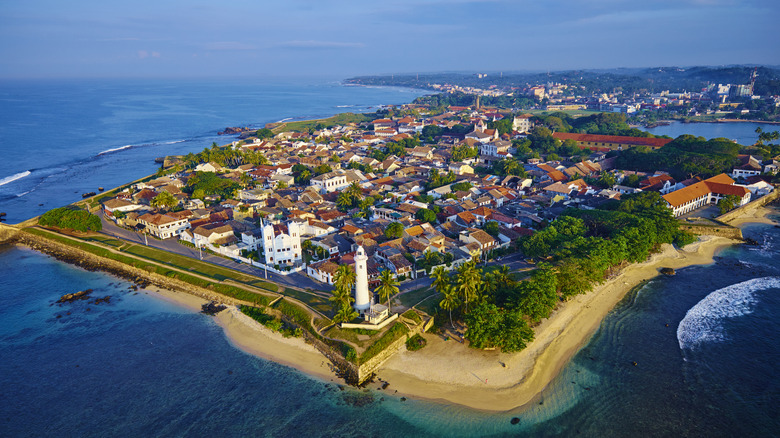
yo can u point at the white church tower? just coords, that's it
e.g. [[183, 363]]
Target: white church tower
[[362, 297]]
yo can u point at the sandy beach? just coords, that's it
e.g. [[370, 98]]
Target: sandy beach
[[254, 338], [758, 216], [451, 372]]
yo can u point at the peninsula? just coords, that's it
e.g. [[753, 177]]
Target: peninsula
[[456, 252]]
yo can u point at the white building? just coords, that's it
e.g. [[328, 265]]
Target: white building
[[522, 123], [282, 243], [163, 225], [362, 297], [329, 182]]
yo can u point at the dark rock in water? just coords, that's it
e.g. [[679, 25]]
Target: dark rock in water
[[357, 399], [100, 189], [87, 195], [233, 130], [514, 420], [403, 398], [751, 242], [212, 308], [81, 295], [668, 271]]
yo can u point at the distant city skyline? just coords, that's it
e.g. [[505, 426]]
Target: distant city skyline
[[341, 38]]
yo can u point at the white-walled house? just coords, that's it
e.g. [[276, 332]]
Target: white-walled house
[[329, 182], [163, 226], [282, 243]]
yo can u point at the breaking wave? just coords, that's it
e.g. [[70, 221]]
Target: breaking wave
[[121, 148], [108, 151], [702, 323], [14, 177]]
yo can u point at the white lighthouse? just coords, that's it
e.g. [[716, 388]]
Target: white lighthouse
[[362, 297]]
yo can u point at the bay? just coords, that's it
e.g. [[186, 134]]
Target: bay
[[743, 133]]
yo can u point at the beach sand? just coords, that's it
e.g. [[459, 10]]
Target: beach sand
[[254, 338], [451, 372], [758, 216]]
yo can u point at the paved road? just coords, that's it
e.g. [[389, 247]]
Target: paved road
[[172, 245], [514, 261]]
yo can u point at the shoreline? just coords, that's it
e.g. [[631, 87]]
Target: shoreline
[[448, 372], [253, 338]]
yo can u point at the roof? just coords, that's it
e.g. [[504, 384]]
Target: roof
[[595, 138], [716, 184]]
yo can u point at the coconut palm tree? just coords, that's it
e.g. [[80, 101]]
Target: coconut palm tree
[[388, 286], [450, 300], [440, 279], [468, 282], [345, 314], [344, 278]]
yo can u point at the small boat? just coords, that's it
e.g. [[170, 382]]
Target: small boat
[[100, 189]]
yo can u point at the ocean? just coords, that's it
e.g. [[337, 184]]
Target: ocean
[[60, 139], [704, 343]]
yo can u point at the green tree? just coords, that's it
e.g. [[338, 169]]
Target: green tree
[[728, 203], [450, 300], [388, 286], [468, 282], [344, 278], [425, 215], [491, 326], [164, 200], [491, 227], [394, 230]]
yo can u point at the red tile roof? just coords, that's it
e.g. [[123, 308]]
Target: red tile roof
[[595, 138]]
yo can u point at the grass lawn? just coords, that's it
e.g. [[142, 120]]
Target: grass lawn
[[315, 302], [305, 125], [409, 299]]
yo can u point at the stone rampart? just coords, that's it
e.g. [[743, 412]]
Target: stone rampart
[[749, 208], [8, 233], [91, 261], [713, 230], [367, 369]]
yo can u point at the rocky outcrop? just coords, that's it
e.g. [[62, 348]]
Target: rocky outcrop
[[234, 130]]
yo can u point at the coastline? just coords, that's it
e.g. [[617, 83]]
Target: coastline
[[448, 372], [253, 338]]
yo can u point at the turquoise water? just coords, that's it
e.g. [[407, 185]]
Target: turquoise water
[[140, 366]]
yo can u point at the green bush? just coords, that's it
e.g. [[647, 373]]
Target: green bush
[[71, 218], [415, 343], [395, 332]]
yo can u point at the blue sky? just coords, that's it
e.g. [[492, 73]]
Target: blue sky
[[341, 38]]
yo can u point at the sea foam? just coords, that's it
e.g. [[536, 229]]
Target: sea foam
[[108, 151], [14, 177], [702, 323]]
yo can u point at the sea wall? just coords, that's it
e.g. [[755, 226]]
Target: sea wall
[[713, 230], [749, 208], [367, 369], [91, 261], [8, 233]]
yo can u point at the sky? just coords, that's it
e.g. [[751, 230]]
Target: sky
[[343, 38]]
